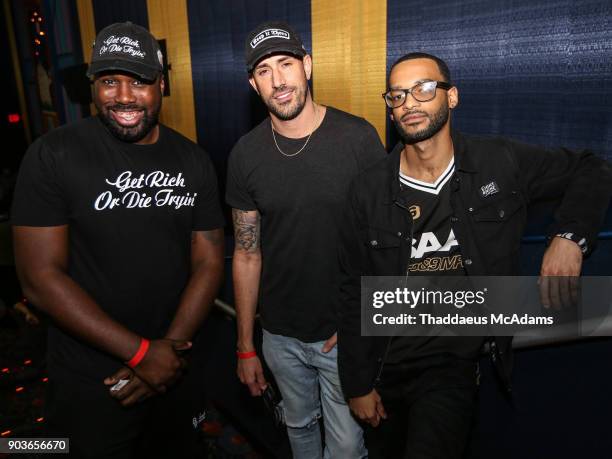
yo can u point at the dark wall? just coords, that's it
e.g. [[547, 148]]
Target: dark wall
[[12, 134]]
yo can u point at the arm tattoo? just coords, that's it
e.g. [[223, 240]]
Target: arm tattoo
[[246, 229]]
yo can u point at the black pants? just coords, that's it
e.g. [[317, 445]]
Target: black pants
[[429, 412], [99, 427]]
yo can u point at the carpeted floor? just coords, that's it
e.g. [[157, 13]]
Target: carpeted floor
[[22, 390]]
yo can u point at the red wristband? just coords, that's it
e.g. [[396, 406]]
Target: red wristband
[[140, 353], [246, 355]]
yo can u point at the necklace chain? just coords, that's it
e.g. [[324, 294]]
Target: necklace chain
[[289, 155]]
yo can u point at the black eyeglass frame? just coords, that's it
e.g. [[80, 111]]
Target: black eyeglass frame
[[439, 84]]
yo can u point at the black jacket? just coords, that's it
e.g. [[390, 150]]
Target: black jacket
[[375, 239]]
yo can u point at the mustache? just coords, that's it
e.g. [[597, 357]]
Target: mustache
[[125, 108], [281, 89]]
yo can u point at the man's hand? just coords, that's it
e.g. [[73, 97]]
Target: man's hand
[[133, 392], [330, 343], [559, 281], [368, 408], [162, 365], [250, 372]]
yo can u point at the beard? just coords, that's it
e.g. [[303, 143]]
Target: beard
[[436, 122], [290, 110], [130, 134]]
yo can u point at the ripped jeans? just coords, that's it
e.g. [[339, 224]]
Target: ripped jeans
[[309, 383]]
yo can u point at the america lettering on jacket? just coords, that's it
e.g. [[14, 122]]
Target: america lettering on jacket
[[155, 189]]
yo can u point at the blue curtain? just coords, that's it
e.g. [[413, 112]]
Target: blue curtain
[[536, 71], [107, 12]]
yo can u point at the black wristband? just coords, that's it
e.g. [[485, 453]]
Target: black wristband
[[581, 241]]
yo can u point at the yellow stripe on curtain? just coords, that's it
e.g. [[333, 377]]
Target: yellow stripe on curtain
[[168, 20], [349, 49], [87, 27]]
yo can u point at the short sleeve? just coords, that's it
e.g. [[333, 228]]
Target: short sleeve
[[40, 198], [208, 213], [236, 193]]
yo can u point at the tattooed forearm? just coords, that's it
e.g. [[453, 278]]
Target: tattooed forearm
[[246, 229]]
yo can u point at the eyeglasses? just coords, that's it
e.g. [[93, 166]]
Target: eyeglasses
[[422, 92]]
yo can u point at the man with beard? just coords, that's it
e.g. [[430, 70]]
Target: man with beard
[[447, 204], [118, 238], [287, 180]]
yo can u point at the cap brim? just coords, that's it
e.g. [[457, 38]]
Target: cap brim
[[136, 68], [293, 50]]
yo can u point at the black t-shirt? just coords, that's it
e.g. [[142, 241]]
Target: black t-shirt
[[435, 252], [300, 199], [130, 211]]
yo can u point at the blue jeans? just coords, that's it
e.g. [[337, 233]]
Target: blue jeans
[[308, 381]]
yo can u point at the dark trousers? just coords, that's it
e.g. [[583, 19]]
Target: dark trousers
[[99, 427], [429, 412]]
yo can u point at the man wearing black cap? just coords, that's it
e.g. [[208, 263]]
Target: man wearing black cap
[[287, 179], [117, 231]]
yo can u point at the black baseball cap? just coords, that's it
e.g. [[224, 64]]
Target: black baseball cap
[[128, 47], [272, 38]]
